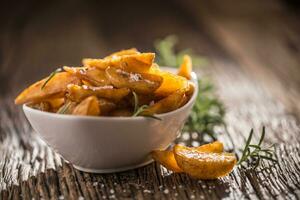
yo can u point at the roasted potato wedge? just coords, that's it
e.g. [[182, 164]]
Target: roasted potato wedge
[[89, 106], [55, 103], [106, 106], [215, 147], [204, 165], [140, 62], [169, 103], [56, 87], [123, 52], [139, 82], [171, 82], [78, 93], [166, 158], [123, 112], [185, 68], [93, 76]]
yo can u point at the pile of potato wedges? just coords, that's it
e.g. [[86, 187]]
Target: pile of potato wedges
[[115, 85]]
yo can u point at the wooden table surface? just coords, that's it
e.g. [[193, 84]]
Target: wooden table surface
[[253, 49]]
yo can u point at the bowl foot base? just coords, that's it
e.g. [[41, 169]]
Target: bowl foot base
[[112, 170]]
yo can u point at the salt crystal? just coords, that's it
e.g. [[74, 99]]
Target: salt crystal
[[95, 184], [147, 191]]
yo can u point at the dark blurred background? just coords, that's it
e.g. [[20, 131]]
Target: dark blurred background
[[36, 37]]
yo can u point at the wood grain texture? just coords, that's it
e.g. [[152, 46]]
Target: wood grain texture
[[253, 49]]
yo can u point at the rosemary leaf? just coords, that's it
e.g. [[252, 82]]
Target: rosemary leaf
[[65, 108], [50, 77], [254, 153], [138, 110]]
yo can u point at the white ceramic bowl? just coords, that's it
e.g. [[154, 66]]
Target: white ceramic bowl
[[109, 144]]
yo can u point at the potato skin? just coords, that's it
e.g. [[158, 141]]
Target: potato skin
[[55, 88], [204, 165], [139, 82], [93, 76], [89, 106], [166, 158], [140, 62], [78, 93], [185, 69], [215, 147], [167, 104], [171, 82], [124, 52]]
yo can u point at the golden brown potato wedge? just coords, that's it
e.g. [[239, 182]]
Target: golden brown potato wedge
[[123, 112], [166, 158], [123, 52], [106, 106], [139, 82], [55, 103], [215, 147], [56, 87], [190, 90], [185, 68], [171, 82], [204, 165], [94, 76], [140, 62], [167, 104], [78, 93], [89, 106]]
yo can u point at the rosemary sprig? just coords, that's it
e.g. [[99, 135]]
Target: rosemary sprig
[[254, 153], [208, 111], [167, 55], [65, 108], [50, 77], [140, 109]]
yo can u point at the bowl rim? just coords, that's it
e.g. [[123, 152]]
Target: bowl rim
[[194, 80]]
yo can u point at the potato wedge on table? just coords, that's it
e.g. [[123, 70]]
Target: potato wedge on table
[[215, 147], [166, 158], [139, 82], [140, 62], [78, 93], [89, 106], [171, 82], [123, 52], [204, 165], [167, 104], [55, 87], [94, 76], [185, 68]]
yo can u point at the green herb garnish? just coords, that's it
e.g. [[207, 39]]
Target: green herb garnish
[[254, 153], [140, 109], [65, 108], [50, 77], [167, 55]]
